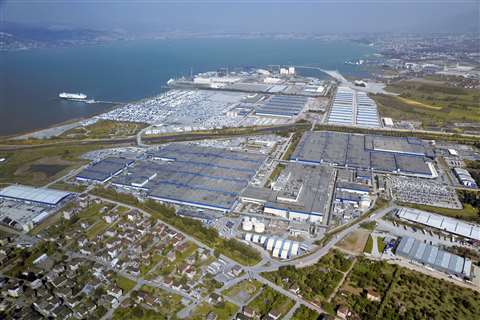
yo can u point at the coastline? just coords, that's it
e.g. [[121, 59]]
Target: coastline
[[49, 132]]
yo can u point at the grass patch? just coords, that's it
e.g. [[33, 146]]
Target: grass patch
[[48, 170], [371, 225], [104, 129], [224, 311], [270, 300], [293, 145], [316, 282], [123, 283], [418, 104], [248, 288], [380, 244], [29, 166], [355, 242], [304, 313], [433, 103], [369, 245], [275, 174], [65, 186], [96, 229]]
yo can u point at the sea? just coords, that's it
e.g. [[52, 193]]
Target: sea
[[125, 71]]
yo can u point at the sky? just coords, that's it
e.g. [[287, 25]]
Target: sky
[[304, 16]]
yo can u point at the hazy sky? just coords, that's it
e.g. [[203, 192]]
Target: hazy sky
[[249, 15]]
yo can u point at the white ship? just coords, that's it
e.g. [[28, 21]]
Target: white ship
[[73, 96]]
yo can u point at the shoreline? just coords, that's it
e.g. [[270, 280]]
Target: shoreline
[[75, 122]]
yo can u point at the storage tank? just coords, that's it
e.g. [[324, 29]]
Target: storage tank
[[248, 236], [270, 243], [276, 253], [247, 225], [364, 202], [259, 227], [294, 249], [263, 239]]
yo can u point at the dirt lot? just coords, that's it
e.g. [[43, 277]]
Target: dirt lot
[[355, 242]]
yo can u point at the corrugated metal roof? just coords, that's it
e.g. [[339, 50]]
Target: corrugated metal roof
[[39, 195]]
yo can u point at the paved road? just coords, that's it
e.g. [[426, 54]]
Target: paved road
[[291, 312], [314, 257]]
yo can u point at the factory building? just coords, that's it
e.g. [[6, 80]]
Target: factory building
[[301, 193], [407, 156], [434, 257], [451, 225], [23, 207], [353, 108], [103, 170], [282, 106], [34, 195], [352, 187], [192, 175]]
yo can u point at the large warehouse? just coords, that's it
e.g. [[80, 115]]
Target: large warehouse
[[434, 257], [22, 207], [450, 225], [35, 195], [282, 106], [301, 192], [353, 108], [408, 156], [193, 175], [104, 170]]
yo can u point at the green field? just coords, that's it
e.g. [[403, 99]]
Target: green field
[[104, 129], [405, 294], [304, 313], [224, 311], [293, 144], [40, 165], [123, 283], [62, 185], [368, 225], [270, 300], [246, 288], [431, 102], [369, 245], [380, 244], [275, 174], [316, 282]]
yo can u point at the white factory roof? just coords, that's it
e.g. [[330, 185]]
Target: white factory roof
[[451, 225], [39, 195]]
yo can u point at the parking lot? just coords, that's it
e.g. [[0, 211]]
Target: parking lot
[[422, 191]]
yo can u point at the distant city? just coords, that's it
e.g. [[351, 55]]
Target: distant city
[[307, 189]]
